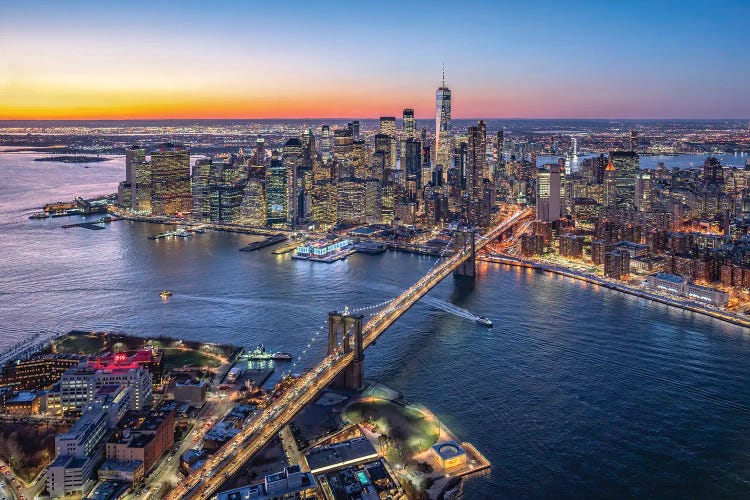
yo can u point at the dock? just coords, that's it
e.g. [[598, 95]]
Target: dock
[[258, 375], [289, 247], [96, 226], [271, 240]]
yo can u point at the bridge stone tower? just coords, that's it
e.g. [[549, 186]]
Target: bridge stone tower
[[466, 240], [349, 328]]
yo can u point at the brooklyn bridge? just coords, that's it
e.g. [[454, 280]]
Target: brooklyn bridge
[[348, 338]]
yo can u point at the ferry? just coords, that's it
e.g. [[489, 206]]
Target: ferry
[[483, 321], [165, 294], [260, 354]]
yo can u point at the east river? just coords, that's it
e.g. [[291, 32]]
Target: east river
[[577, 391]]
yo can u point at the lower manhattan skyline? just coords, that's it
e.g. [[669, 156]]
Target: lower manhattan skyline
[[380, 251]]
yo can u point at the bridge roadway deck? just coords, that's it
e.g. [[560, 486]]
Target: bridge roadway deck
[[207, 480]]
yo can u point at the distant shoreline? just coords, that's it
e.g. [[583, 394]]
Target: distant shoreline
[[73, 159]]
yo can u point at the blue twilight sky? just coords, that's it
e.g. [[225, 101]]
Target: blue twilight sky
[[142, 59]]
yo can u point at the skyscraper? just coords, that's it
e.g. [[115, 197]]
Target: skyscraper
[[170, 180], [476, 159], [610, 185], [500, 147], [388, 127], [627, 166], [292, 157], [412, 163], [276, 195], [308, 147], [443, 140], [325, 144], [643, 191], [200, 189], [355, 130], [634, 141], [342, 152], [548, 193], [260, 151], [410, 124], [134, 157]]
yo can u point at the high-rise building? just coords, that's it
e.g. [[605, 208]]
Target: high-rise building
[[260, 151], [626, 167], [372, 201], [253, 208], [276, 192], [292, 157], [500, 147], [200, 189], [308, 147], [226, 185], [351, 198], [134, 157], [170, 180], [343, 143], [634, 141], [383, 144], [355, 130], [360, 159], [388, 125], [325, 145], [643, 196], [410, 124], [388, 128], [443, 139], [548, 193], [412, 160], [476, 157], [324, 209], [610, 185]]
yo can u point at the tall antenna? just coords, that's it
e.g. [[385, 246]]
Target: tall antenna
[[443, 74]]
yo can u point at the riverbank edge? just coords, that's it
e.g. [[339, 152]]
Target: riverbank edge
[[619, 287]]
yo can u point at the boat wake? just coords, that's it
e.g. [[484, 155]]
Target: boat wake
[[452, 309], [437, 304]]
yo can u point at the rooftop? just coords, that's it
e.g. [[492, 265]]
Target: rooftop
[[341, 454], [668, 277], [448, 449], [23, 397]]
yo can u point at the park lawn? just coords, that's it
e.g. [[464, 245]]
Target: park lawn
[[177, 358], [79, 344], [400, 423]]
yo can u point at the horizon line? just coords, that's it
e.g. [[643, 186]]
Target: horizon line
[[10, 120]]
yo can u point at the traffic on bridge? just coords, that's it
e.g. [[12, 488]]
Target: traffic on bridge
[[206, 481]]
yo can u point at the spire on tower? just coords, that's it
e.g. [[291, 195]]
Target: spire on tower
[[443, 85]]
